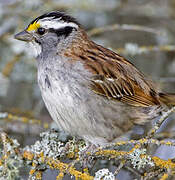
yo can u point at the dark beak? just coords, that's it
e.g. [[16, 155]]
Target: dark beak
[[24, 36]]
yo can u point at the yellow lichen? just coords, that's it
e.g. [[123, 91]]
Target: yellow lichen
[[28, 155], [168, 143], [163, 163], [32, 171], [10, 65], [46, 125], [11, 117], [38, 175], [33, 164], [120, 143], [41, 156], [24, 119], [111, 153], [164, 177], [1, 162], [86, 170], [60, 176], [70, 155], [142, 141]]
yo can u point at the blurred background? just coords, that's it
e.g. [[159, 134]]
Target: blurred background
[[143, 31]]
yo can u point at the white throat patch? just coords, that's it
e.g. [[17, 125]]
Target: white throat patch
[[36, 47]]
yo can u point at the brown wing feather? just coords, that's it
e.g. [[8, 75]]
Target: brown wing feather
[[125, 92], [118, 79], [113, 76]]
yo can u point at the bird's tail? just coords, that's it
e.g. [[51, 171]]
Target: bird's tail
[[167, 98]]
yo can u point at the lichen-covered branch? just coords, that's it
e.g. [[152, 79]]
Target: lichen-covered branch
[[133, 49], [133, 27], [22, 119], [10, 65], [63, 154], [160, 121], [52, 153]]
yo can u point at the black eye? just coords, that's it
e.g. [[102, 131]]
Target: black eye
[[41, 31]]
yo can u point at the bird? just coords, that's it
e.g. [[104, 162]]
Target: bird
[[90, 91]]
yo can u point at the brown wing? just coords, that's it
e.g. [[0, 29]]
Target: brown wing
[[113, 76], [119, 89], [116, 78]]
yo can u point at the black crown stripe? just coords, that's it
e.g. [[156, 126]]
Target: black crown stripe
[[57, 15]]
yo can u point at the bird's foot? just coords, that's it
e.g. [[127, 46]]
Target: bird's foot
[[85, 156]]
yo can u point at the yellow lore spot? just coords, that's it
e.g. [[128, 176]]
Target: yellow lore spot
[[33, 27]]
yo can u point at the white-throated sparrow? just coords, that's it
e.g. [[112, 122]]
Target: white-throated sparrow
[[90, 91]]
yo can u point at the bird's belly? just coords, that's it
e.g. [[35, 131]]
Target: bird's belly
[[87, 116], [78, 111]]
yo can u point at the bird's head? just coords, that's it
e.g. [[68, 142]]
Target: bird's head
[[49, 31]]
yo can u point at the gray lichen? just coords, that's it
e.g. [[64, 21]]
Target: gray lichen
[[12, 162], [50, 145], [104, 174], [138, 160]]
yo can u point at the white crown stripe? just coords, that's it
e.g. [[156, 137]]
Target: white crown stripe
[[48, 18], [55, 24]]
